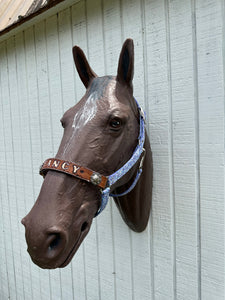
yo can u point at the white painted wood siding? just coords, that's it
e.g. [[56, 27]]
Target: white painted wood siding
[[179, 79]]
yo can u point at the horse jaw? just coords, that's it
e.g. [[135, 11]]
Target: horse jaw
[[135, 206]]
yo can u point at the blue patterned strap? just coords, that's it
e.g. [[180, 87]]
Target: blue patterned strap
[[112, 179], [133, 160], [130, 188], [106, 192], [105, 198]]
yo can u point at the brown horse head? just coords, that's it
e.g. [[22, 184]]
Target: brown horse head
[[100, 133]]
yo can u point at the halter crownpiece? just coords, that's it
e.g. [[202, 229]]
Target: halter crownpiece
[[103, 182]]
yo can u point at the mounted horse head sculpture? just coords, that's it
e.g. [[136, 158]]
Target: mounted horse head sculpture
[[104, 152]]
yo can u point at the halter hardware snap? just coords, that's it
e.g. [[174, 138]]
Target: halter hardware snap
[[142, 158], [142, 114]]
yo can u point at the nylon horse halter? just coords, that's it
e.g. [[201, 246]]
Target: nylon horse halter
[[101, 181]]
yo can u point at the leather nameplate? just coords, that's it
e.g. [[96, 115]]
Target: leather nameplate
[[73, 170]]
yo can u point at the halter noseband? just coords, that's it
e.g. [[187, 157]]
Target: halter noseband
[[103, 182]]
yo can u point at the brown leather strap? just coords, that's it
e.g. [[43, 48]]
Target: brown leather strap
[[74, 170]]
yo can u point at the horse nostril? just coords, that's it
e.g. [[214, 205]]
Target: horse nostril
[[54, 241], [84, 226]]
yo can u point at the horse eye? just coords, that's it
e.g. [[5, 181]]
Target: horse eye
[[115, 124]]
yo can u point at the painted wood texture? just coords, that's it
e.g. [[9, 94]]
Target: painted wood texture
[[179, 80]]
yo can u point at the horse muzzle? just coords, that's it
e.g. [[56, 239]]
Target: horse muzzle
[[52, 248]]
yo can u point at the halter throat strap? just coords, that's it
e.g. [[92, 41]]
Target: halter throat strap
[[103, 182]]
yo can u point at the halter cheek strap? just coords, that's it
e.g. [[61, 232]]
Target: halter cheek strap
[[103, 182], [138, 153]]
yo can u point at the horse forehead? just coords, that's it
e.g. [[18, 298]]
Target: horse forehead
[[101, 93], [101, 86]]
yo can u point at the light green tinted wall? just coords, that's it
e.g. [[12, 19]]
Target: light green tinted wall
[[179, 80]]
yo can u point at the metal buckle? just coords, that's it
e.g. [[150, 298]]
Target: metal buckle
[[142, 159], [142, 114]]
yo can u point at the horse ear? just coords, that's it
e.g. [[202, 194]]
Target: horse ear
[[83, 68], [125, 71]]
